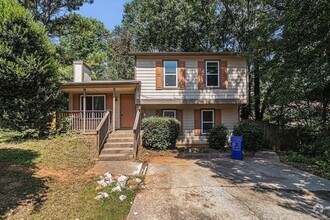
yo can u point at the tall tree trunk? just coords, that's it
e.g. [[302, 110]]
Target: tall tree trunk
[[325, 104], [257, 92], [265, 102], [246, 110]]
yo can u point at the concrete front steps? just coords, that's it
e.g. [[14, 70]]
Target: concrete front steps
[[119, 146]]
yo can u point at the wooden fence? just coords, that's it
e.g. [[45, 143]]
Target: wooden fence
[[279, 138]]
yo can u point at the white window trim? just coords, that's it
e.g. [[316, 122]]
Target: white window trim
[[202, 119], [81, 102], [169, 110], [206, 74], [176, 74]]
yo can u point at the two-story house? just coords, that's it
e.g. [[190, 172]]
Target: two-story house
[[200, 89]]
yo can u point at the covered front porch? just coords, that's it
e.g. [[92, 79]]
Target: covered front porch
[[102, 107], [90, 102]]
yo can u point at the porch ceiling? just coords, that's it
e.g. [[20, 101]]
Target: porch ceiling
[[101, 86]]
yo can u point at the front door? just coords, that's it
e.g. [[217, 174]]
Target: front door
[[127, 111]]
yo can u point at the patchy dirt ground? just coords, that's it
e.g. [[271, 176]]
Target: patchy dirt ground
[[146, 155], [259, 187]]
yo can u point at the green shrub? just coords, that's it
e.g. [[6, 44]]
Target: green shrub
[[217, 137], [297, 158], [252, 135], [320, 146], [160, 132], [63, 125]]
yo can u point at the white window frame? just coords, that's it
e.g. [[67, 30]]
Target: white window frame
[[169, 110], [81, 102], [206, 73], [202, 119], [176, 74]]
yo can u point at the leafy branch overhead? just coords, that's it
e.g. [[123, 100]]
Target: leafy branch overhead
[[50, 12]]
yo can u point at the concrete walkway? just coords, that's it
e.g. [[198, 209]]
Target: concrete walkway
[[258, 187]]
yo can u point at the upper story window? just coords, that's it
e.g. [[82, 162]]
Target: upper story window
[[170, 74], [212, 73]]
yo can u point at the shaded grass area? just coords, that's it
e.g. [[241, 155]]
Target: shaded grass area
[[319, 165], [44, 179], [77, 202]]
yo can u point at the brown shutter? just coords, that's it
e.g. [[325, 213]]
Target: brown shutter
[[159, 113], [76, 101], [224, 75], [217, 117], [159, 75], [179, 113], [182, 74], [197, 122], [201, 75]]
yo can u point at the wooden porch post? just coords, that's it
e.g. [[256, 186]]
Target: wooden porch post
[[84, 110], [113, 109]]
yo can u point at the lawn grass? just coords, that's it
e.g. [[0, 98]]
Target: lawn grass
[[44, 179]]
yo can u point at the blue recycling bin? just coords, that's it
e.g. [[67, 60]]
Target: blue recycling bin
[[236, 147]]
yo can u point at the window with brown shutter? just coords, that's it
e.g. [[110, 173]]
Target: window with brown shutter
[[224, 75], [212, 72], [182, 74], [201, 77], [197, 122], [207, 118], [170, 74], [159, 75]]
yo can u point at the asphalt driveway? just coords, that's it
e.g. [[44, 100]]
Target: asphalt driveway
[[258, 187]]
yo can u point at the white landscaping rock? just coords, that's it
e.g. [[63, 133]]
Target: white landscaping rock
[[102, 183], [105, 195], [106, 180], [122, 181], [108, 177], [98, 197], [101, 195], [116, 189], [122, 197], [138, 180]]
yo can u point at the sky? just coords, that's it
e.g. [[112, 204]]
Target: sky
[[110, 12]]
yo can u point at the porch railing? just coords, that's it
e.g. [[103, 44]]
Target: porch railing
[[137, 133], [75, 119], [103, 130]]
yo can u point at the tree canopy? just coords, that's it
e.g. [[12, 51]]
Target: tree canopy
[[50, 12], [28, 70], [171, 25], [85, 39]]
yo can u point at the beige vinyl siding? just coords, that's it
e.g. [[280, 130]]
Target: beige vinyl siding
[[229, 118], [188, 122], [237, 82]]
